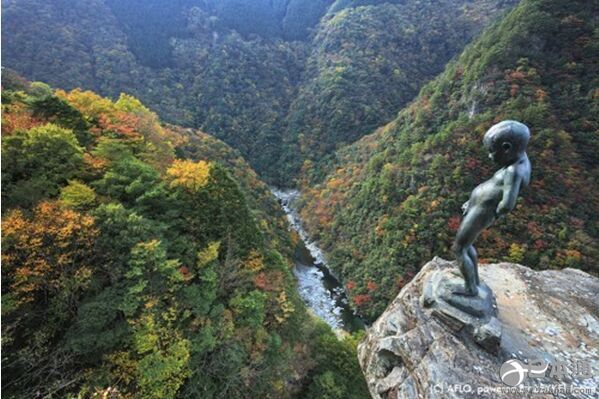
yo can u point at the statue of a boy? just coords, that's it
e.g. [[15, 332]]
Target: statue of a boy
[[492, 199]]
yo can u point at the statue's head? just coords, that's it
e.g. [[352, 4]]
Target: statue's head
[[506, 141]]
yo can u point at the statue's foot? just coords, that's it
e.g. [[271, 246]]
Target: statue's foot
[[464, 291]]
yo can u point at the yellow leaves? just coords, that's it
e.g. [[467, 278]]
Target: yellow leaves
[[285, 306], [574, 254], [47, 252], [379, 230], [254, 262], [190, 175], [128, 103], [87, 102], [151, 303], [146, 338], [123, 366], [516, 253], [208, 254]]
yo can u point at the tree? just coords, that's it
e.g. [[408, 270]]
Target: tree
[[48, 263], [77, 194], [188, 174], [37, 162]]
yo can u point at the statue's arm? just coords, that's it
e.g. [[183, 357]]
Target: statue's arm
[[511, 187]]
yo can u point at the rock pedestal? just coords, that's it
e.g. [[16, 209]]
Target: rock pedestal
[[420, 347], [473, 317]]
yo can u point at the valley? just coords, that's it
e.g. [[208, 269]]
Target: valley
[[321, 291], [216, 198]]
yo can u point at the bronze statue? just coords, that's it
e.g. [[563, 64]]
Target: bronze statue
[[494, 198]]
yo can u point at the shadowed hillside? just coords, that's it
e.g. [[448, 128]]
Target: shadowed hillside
[[280, 81]]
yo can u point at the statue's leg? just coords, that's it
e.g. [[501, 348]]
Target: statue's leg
[[468, 270], [477, 219], [474, 258]]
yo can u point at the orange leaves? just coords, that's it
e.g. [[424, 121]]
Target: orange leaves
[[541, 94], [18, 117], [361, 300], [379, 230], [254, 262], [122, 124], [189, 175], [269, 281], [515, 76], [372, 286], [49, 252], [261, 281]]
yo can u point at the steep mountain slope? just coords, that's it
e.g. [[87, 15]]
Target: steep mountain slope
[[392, 200], [178, 57], [367, 62], [140, 260], [234, 67]]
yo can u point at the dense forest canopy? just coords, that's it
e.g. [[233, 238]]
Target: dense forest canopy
[[391, 201], [143, 252], [281, 81], [146, 260]]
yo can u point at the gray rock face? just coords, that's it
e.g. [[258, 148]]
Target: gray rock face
[[549, 316], [473, 317]]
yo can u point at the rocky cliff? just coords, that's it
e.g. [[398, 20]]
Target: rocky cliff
[[549, 322]]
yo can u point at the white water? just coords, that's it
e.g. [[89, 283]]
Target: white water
[[323, 294]]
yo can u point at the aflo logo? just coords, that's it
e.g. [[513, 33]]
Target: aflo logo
[[514, 371]]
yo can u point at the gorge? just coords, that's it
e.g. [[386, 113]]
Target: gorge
[[237, 198], [318, 287]]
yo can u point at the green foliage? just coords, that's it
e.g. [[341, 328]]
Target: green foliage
[[127, 103], [278, 80], [368, 62], [249, 310], [336, 375], [131, 270], [37, 162], [77, 194], [392, 200], [62, 113], [39, 90]]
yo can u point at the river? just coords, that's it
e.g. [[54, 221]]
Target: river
[[319, 289]]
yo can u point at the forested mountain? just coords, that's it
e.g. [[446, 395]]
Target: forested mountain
[[391, 201], [367, 62], [143, 253], [148, 261], [280, 81]]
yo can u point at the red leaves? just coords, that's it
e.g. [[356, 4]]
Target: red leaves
[[472, 163], [17, 117], [184, 270], [361, 300], [453, 223], [372, 286], [539, 245], [272, 280], [260, 281]]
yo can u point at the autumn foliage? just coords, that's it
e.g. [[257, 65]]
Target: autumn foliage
[[137, 255]]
